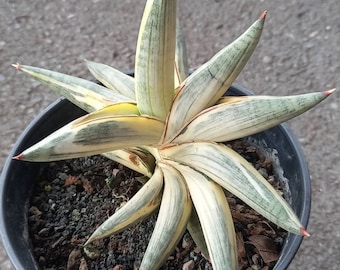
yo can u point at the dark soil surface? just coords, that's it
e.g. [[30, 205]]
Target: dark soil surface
[[74, 197]]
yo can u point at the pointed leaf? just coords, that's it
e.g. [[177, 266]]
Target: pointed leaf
[[133, 159], [181, 57], [215, 217], [113, 79], [238, 117], [195, 230], [155, 57], [234, 173], [87, 95], [172, 219], [100, 135], [208, 83], [142, 204]]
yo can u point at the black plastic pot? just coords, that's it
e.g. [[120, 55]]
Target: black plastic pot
[[18, 178]]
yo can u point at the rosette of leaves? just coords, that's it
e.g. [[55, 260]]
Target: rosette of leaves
[[170, 127]]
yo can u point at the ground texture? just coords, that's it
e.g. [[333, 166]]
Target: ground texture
[[299, 52]]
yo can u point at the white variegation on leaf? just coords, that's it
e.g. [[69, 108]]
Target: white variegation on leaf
[[214, 215], [208, 83], [155, 58], [195, 229], [237, 117], [96, 136], [235, 174], [113, 79], [90, 97], [87, 95], [172, 219], [181, 58], [165, 125]]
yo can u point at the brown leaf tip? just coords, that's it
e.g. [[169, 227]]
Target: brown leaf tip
[[17, 66], [264, 15], [18, 157], [329, 92], [304, 232]]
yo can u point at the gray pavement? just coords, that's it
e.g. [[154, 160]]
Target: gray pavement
[[299, 52]]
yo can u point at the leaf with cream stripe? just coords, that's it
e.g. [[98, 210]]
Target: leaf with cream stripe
[[235, 174], [155, 58], [113, 79], [87, 95], [214, 215], [172, 219], [237, 117], [207, 84], [99, 135]]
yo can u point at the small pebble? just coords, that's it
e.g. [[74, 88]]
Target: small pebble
[[92, 252], [83, 264], [266, 59], [73, 259], [44, 232], [42, 261], [188, 265]]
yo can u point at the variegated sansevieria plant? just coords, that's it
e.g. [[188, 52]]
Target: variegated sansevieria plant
[[170, 127]]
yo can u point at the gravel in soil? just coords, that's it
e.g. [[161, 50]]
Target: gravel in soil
[[72, 198]]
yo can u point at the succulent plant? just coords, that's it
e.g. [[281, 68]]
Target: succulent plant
[[171, 127]]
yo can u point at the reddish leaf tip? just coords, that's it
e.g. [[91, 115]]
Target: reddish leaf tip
[[17, 66], [329, 92], [264, 14], [18, 157], [304, 232]]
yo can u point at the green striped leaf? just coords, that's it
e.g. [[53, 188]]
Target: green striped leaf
[[215, 217], [181, 57], [83, 138], [155, 57], [195, 229], [172, 219], [134, 159], [85, 94], [237, 117], [113, 79], [235, 174], [207, 84]]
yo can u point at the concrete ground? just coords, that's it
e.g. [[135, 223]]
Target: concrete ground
[[299, 52]]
